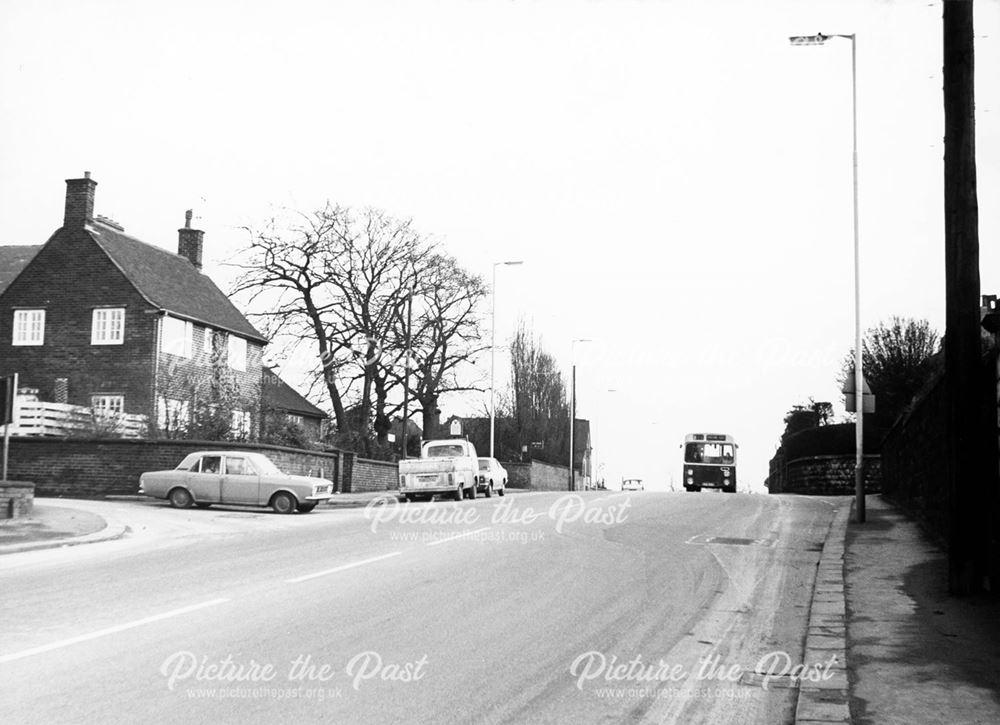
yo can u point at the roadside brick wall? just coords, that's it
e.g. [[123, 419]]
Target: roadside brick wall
[[369, 475], [95, 468], [17, 498], [125, 369], [547, 477], [518, 474], [915, 460]]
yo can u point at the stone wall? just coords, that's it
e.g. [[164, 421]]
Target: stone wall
[[831, 475]]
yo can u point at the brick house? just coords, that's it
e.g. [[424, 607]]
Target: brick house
[[97, 318], [282, 405]]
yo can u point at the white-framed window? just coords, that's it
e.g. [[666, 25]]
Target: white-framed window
[[108, 326], [29, 327], [240, 424], [237, 353], [295, 419], [178, 337], [206, 341], [172, 414], [108, 404]]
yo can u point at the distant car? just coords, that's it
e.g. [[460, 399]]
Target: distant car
[[234, 477], [492, 477], [632, 484]]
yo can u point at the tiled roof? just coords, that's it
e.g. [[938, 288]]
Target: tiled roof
[[14, 258], [171, 282], [279, 395]]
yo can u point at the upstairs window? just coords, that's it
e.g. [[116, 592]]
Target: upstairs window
[[29, 327], [178, 337], [237, 353], [108, 405], [108, 327]]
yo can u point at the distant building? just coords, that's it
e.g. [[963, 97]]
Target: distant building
[[283, 405]]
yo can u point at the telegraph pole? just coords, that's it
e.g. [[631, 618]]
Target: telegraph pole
[[968, 481]]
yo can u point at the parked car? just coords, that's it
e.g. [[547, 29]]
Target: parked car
[[234, 477], [448, 466], [492, 477], [632, 484]]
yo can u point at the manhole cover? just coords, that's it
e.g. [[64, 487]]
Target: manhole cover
[[730, 541]]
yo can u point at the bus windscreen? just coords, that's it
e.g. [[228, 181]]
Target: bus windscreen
[[712, 453]]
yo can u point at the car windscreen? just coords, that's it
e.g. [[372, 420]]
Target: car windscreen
[[445, 451]]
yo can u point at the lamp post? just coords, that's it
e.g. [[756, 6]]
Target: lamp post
[[859, 475], [572, 408], [601, 417], [493, 350]]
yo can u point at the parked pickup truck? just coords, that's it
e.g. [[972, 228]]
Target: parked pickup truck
[[448, 467]]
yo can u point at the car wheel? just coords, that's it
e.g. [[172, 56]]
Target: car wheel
[[503, 489], [489, 490], [473, 491], [180, 498], [283, 503], [459, 493], [306, 507]]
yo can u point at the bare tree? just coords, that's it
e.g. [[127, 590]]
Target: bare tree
[[539, 401], [343, 282], [445, 337]]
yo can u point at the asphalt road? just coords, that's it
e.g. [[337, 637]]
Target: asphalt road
[[598, 608]]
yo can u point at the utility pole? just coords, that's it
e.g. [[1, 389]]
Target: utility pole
[[968, 481]]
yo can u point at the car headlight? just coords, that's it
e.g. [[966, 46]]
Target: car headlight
[[726, 474], [690, 480], [690, 472]]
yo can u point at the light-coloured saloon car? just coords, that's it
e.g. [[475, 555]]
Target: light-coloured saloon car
[[234, 477], [492, 477]]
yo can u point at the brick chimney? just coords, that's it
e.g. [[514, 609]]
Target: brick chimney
[[189, 240], [79, 201]]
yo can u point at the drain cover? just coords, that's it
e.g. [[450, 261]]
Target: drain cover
[[730, 541]]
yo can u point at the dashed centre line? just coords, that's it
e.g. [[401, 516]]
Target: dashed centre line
[[458, 536], [343, 567], [110, 630]]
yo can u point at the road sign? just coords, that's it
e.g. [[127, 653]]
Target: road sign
[[850, 400]]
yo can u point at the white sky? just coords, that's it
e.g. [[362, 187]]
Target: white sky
[[675, 175]]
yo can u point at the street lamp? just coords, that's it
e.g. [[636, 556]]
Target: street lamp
[[493, 350], [572, 408], [859, 476]]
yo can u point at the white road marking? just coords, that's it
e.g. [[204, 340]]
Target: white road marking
[[342, 568], [109, 630], [458, 536]]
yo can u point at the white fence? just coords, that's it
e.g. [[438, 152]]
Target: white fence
[[39, 418]]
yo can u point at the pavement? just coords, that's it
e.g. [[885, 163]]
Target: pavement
[[903, 651]]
